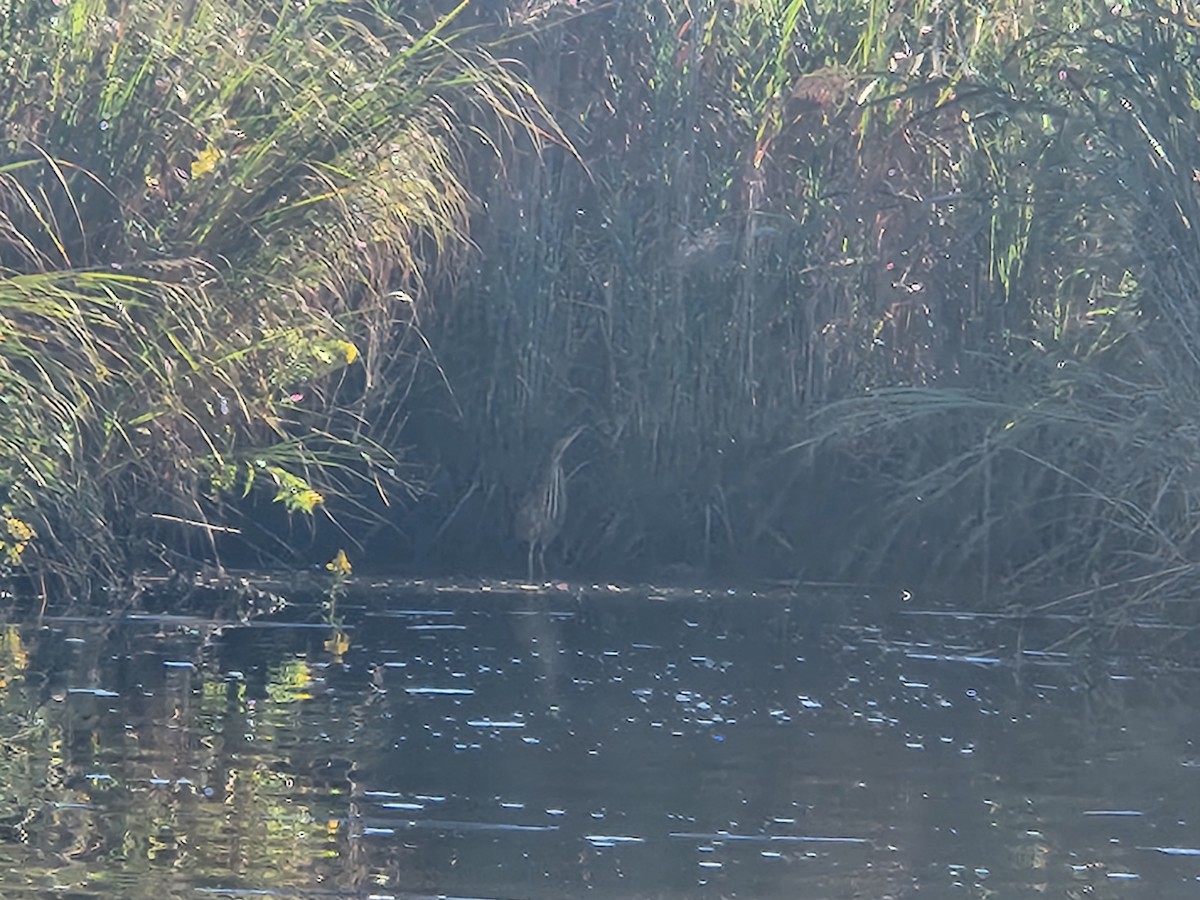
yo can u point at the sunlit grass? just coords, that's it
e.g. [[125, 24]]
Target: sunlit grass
[[209, 214]]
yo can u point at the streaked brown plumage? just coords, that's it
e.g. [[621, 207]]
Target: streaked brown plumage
[[541, 513]]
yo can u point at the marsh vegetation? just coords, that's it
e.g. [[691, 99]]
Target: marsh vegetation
[[842, 289]]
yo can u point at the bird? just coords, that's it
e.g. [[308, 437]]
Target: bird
[[541, 512]]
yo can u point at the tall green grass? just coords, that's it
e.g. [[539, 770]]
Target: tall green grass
[[216, 219]]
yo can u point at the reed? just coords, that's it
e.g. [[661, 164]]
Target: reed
[[821, 260], [841, 288], [215, 223]]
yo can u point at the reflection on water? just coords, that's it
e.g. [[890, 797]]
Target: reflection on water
[[507, 745]]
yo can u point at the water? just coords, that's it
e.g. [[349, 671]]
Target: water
[[505, 744]]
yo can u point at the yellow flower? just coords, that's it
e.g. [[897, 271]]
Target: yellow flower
[[338, 644], [206, 161], [309, 500], [16, 537], [339, 565], [19, 529]]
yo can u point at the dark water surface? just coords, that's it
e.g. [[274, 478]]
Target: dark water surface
[[506, 744]]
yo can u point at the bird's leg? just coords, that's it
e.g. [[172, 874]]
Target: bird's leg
[[532, 544], [541, 558]]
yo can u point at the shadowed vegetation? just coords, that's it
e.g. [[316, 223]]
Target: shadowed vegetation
[[847, 291]]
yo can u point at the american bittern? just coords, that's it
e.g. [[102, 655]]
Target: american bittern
[[542, 511]]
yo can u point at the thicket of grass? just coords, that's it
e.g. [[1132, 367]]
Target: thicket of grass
[[844, 289], [848, 290], [215, 221]]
